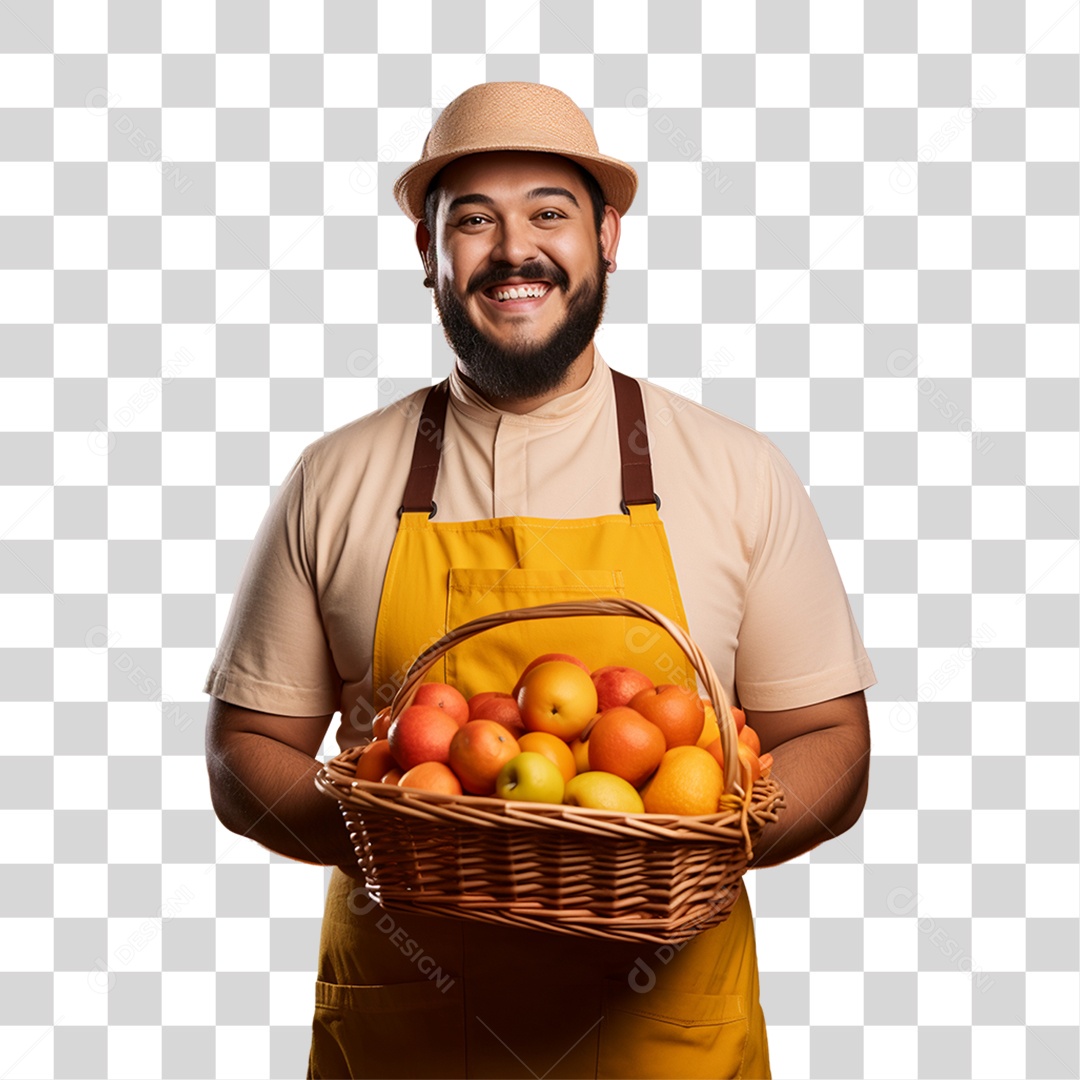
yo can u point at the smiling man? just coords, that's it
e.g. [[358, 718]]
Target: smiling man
[[521, 280], [533, 473]]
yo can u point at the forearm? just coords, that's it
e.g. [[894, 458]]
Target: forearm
[[820, 801], [265, 790]]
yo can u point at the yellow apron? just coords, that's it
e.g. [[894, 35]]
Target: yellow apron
[[406, 995]]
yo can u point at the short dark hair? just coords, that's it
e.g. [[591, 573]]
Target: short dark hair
[[592, 186]]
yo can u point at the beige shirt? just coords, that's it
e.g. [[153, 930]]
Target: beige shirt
[[759, 584]]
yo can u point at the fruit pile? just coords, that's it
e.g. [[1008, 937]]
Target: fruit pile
[[608, 739]]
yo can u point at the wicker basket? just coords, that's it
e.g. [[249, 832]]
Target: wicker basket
[[594, 873]]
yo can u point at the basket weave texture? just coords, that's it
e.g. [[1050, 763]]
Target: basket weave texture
[[567, 869]]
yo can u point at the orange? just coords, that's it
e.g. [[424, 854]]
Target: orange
[[553, 748], [624, 743], [391, 777], [679, 713], [749, 736], [766, 763], [478, 752], [374, 761], [689, 781], [432, 776]]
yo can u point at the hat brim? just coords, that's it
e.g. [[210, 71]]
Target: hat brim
[[617, 180]]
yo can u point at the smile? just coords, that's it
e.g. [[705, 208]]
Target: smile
[[517, 296]]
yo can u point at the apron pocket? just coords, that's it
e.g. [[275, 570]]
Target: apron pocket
[[412, 1029], [671, 1034], [494, 659]]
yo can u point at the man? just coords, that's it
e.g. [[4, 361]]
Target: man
[[524, 487]]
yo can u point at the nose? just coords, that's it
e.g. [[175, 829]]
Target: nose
[[514, 241]]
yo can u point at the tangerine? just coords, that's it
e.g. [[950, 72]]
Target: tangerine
[[678, 712], [553, 748], [375, 760], [624, 743], [432, 776]]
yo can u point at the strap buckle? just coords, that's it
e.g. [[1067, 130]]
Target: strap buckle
[[434, 510], [625, 510]]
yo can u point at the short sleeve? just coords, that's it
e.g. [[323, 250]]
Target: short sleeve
[[798, 641], [273, 655]]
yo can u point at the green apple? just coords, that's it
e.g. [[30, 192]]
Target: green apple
[[530, 777]]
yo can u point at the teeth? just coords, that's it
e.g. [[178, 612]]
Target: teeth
[[519, 292]]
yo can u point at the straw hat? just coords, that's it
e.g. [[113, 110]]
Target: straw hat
[[513, 116]]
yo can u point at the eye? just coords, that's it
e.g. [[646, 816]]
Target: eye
[[555, 212], [472, 218]]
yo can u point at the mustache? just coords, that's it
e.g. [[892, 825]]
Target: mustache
[[533, 272]]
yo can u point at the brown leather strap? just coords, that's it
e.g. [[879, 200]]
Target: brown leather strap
[[637, 481], [426, 450]]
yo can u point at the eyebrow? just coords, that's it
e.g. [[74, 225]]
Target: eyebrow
[[535, 193]]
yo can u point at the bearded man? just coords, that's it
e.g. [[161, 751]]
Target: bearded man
[[533, 473]]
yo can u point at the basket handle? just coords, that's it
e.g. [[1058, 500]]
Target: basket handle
[[602, 606]]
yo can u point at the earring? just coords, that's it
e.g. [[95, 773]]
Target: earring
[[428, 283]]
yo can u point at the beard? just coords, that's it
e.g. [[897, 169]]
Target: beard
[[526, 368]]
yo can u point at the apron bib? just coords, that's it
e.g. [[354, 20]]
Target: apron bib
[[400, 994]]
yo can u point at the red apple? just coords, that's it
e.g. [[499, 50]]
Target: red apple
[[422, 733], [616, 685], [444, 697], [501, 708]]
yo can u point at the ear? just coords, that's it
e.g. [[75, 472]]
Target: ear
[[610, 231], [423, 241]]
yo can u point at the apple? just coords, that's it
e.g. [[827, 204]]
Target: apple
[[422, 733], [547, 657], [502, 708], [530, 777], [616, 685], [603, 791], [380, 725], [557, 697], [444, 697], [478, 751], [739, 716]]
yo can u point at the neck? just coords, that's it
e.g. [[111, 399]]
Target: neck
[[577, 376]]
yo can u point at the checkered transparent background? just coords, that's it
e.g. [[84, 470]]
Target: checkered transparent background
[[856, 230]]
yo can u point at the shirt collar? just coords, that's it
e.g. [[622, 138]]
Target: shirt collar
[[588, 398]]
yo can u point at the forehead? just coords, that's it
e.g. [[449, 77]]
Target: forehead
[[508, 174]]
